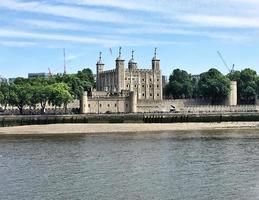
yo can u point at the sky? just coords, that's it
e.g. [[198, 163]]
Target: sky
[[187, 33]]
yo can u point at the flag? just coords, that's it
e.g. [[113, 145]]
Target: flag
[[111, 51]]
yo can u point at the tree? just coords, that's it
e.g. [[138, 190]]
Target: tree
[[180, 85], [43, 95], [247, 86], [60, 95], [5, 94], [20, 95], [87, 78], [214, 86], [76, 86]]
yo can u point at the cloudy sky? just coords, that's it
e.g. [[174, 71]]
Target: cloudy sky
[[187, 33]]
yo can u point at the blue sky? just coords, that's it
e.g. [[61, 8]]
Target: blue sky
[[187, 33]]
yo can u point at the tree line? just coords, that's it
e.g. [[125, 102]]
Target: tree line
[[213, 85], [56, 90]]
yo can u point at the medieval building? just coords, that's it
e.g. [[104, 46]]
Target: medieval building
[[145, 83]]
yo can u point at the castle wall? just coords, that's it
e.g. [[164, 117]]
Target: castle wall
[[108, 105]]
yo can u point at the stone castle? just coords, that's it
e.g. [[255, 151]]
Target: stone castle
[[146, 83], [131, 90]]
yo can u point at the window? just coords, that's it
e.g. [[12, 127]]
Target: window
[[135, 86], [100, 105], [150, 80], [88, 105], [126, 105], [108, 105], [150, 86], [143, 85], [143, 94], [158, 94], [151, 94], [125, 79], [115, 105], [158, 86], [157, 80], [143, 79]]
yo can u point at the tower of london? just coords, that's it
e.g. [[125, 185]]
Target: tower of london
[[145, 83]]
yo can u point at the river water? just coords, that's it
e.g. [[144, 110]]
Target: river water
[[178, 165]]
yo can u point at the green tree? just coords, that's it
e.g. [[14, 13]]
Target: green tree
[[5, 94], [60, 95], [20, 95], [247, 86], [214, 86], [180, 85], [87, 78], [76, 86]]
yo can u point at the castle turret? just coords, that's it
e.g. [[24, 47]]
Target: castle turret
[[232, 98], [84, 104], [133, 102], [99, 69], [132, 63], [120, 73], [155, 62]]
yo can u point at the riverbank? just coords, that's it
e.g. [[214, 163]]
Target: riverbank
[[125, 118], [120, 128]]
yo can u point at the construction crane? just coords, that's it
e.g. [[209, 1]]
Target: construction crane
[[224, 62], [50, 74]]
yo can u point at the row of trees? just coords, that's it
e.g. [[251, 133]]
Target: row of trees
[[213, 85], [56, 90]]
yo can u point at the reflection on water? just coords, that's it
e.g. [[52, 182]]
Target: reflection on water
[[179, 165]]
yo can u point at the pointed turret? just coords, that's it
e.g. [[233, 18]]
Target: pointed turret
[[99, 69], [120, 73], [155, 61], [132, 63]]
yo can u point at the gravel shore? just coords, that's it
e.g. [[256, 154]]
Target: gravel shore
[[120, 128]]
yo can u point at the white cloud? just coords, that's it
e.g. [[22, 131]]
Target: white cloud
[[51, 24], [221, 21], [175, 17], [65, 11], [106, 42], [150, 5], [13, 43], [56, 37]]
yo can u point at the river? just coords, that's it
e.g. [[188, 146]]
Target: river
[[178, 165]]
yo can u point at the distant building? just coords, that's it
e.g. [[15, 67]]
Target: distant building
[[3, 80], [35, 75], [11, 80], [164, 81], [145, 83], [197, 77]]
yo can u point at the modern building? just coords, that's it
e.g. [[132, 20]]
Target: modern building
[[146, 83], [35, 75]]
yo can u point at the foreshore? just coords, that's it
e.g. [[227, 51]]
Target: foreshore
[[55, 129]]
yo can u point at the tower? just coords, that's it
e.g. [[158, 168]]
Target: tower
[[120, 73], [84, 103], [157, 78], [232, 98], [155, 62], [99, 69], [132, 63]]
